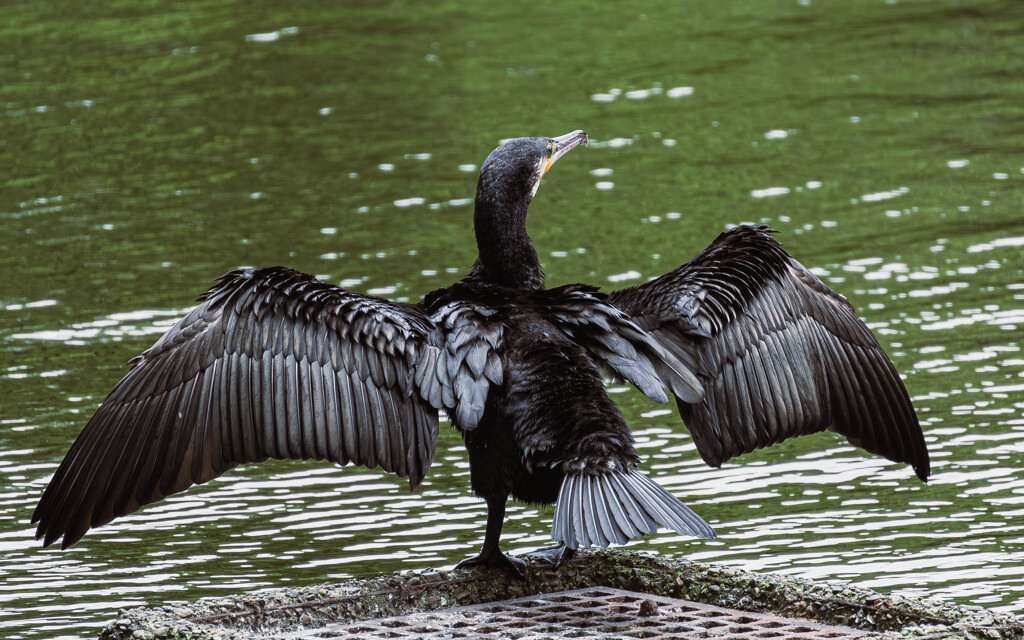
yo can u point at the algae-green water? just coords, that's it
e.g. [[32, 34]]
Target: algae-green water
[[148, 147]]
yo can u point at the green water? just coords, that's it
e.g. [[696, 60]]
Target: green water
[[148, 147]]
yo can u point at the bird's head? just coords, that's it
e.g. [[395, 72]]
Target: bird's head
[[509, 178], [511, 173]]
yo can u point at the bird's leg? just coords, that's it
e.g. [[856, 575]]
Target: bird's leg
[[490, 555], [554, 556]]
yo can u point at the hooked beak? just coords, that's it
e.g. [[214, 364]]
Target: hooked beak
[[565, 144]]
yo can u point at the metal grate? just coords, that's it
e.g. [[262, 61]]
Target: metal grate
[[584, 613]]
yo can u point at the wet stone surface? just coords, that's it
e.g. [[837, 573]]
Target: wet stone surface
[[282, 613]]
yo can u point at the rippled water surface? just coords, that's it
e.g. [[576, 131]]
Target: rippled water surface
[[149, 147]]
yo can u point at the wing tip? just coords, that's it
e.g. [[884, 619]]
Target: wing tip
[[49, 537], [923, 469]]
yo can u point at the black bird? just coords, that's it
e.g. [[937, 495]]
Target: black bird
[[275, 364]]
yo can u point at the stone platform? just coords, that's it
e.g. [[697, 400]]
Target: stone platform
[[599, 594]]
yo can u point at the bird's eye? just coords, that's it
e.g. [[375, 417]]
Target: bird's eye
[[551, 148]]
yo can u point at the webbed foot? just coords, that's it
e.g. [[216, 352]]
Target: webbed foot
[[554, 556], [496, 560]]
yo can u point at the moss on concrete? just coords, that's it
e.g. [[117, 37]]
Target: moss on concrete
[[263, 613]]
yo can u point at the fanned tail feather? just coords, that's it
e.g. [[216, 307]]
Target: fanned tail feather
[[597, 510]]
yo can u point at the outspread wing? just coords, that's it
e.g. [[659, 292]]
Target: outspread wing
[[778, 352], [271, 364]]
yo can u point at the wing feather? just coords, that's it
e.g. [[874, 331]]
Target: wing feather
[[318, 412], [361, 407], [332, 428], [350, 419]]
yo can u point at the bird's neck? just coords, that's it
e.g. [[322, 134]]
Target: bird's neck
[[507, 256]]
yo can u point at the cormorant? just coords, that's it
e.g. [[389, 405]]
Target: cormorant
[[276, 364]]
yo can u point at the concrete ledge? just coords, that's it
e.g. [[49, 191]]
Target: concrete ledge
[[268, 612]]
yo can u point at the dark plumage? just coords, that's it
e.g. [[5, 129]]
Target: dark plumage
[[274, 364]]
